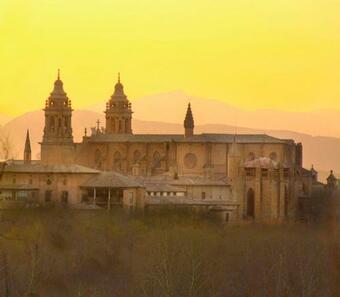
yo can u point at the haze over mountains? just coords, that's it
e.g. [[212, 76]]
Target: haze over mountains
[[164, 113], [170, 107]]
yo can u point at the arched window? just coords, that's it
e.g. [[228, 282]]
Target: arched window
[[98, 159], [250, 203], [52, 123], [156, 160], [190, 160], [251, 156], [136, 156], [286, 202], [113, 125], [117, 161]]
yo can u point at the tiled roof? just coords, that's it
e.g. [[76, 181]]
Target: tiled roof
[[198, 181], [36, 167], [182, 180], [154, 200], [111, 179], [205, 137], [305, 172]]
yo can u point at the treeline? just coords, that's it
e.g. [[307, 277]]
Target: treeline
[[52, 252]]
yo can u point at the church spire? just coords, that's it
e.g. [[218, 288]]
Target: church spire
[[189, 123], [27, 151]]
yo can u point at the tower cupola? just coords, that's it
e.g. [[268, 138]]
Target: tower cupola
[[118, 112], [58, 115], [119, 90], [57, 146]]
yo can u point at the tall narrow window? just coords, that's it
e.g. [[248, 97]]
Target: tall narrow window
[[117, 161], [64, 197], [48, 196], [156, 160], [251, 203]]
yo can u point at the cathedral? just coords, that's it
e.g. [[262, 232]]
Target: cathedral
[[236, 176]]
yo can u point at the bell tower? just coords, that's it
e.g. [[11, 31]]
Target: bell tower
[[57, 146], [118, 112]]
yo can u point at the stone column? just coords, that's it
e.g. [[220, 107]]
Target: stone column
[[127, 163], [109, 199], [258, 194], [281, 195]]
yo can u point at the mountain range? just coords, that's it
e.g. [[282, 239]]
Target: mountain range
[[171, 107]]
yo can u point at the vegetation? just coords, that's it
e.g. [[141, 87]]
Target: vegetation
[[58, 252], [6, 147]]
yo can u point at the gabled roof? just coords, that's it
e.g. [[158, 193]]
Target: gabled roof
[[111, 179], [17, 166], [306, 172]]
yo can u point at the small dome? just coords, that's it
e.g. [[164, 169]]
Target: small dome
[[331, 177], [58, 85], [119, 88]]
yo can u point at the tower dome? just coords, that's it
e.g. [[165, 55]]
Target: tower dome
[[58, 114], [118, 112], [58, 86], [119, 89]]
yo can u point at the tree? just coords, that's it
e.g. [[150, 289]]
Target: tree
[[6, 147]]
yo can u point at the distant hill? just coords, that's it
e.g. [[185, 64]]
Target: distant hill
[[318, 150], [4, 119], [170, 107]]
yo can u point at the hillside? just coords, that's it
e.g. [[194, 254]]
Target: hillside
[[4, 119]]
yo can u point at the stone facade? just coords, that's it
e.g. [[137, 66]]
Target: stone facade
[[259, 174]]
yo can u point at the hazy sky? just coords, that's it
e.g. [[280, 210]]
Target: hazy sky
[[282, 54]]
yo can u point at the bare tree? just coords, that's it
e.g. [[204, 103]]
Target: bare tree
[[6, 147]]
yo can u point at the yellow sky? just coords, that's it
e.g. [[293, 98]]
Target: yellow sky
[[282, 54]]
